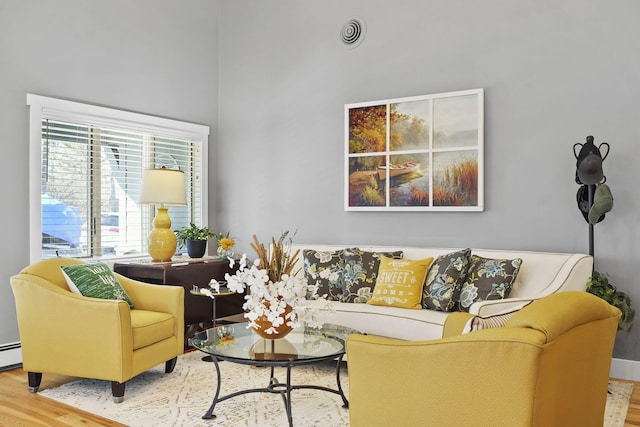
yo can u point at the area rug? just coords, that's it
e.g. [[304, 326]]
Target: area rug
[[617, 403], [181, 398]]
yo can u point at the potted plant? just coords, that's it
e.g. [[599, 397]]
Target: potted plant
[[195, 239], [599, 286]]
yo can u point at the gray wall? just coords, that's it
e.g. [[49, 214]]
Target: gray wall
[[271, 79], [553, 73], [152, 56]]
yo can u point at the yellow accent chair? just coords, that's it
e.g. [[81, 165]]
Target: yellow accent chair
[[65, 333], [549, 366]]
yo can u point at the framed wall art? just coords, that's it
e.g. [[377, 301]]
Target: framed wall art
[[421, 153]]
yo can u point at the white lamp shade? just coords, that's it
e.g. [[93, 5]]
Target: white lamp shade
[[163, 187]]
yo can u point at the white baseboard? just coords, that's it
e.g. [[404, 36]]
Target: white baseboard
[[625, 369], [10, 355]]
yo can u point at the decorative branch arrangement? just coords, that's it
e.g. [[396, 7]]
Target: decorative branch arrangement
[[280, 261]]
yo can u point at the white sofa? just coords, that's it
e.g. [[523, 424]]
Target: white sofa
[[541, 274]]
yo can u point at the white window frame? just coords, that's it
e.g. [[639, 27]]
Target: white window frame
[[54, 108]]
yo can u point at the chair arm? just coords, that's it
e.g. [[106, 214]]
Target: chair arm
[[161, 298], [482, 378], [562, 311], [146, 296]]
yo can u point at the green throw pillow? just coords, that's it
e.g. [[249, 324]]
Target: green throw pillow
[[94, 280]]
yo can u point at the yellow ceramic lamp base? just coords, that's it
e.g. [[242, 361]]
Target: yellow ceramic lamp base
[[162, 240]]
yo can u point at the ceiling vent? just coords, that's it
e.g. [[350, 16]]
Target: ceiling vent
[[352, 33]]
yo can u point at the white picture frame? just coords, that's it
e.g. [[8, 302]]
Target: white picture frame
[[430, 146]]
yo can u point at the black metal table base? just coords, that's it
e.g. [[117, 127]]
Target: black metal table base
[[275, 386]]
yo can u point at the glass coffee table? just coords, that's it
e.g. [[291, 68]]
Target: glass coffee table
[[239, 344]]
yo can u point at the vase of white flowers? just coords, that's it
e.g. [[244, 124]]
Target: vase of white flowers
[[276, 300]]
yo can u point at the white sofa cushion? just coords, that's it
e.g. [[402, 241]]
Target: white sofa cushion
[[401, 323]]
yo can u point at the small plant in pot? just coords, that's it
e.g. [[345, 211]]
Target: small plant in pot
[[195, 239], [599, 286]]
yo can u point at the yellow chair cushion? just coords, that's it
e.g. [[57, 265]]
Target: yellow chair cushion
[[399, 282], [150, 327]]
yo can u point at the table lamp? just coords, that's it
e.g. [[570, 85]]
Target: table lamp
[[162, 187]]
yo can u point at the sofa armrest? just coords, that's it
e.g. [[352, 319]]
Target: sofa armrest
[[454, 323], [489, 308]]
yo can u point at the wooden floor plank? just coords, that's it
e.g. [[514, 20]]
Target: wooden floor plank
[[18, 407]]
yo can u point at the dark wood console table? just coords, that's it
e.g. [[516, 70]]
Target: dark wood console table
[[186, 272]]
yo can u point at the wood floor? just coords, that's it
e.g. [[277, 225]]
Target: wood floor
[[20, 408], [633, 414]]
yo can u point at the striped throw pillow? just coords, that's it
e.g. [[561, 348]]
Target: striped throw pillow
[[477, 323]]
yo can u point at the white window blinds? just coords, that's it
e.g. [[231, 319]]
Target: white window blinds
[[90, 163]]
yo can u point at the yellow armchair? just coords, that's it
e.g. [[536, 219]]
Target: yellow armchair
[[68, 334], [549, 366]]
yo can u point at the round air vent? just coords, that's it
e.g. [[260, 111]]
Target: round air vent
[[352, 33]]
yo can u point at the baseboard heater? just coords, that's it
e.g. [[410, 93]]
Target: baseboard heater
[[10, 356]]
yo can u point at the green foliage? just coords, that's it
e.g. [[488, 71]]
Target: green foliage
[[367, 129], [371, 195], [599, 286], [193, 232]]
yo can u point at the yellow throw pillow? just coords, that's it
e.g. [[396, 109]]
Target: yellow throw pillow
[[400, 282]]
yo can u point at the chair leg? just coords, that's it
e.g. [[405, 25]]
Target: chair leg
[[34, 381], [117, 390], [169, 365]]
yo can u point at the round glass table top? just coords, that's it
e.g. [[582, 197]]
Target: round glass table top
[[239, 343]]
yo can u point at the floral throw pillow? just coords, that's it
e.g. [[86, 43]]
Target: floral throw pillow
[[445, 278], [488, 279], [360, 274], [324, 269]]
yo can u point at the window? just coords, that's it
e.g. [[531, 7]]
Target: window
[[86, 171]]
